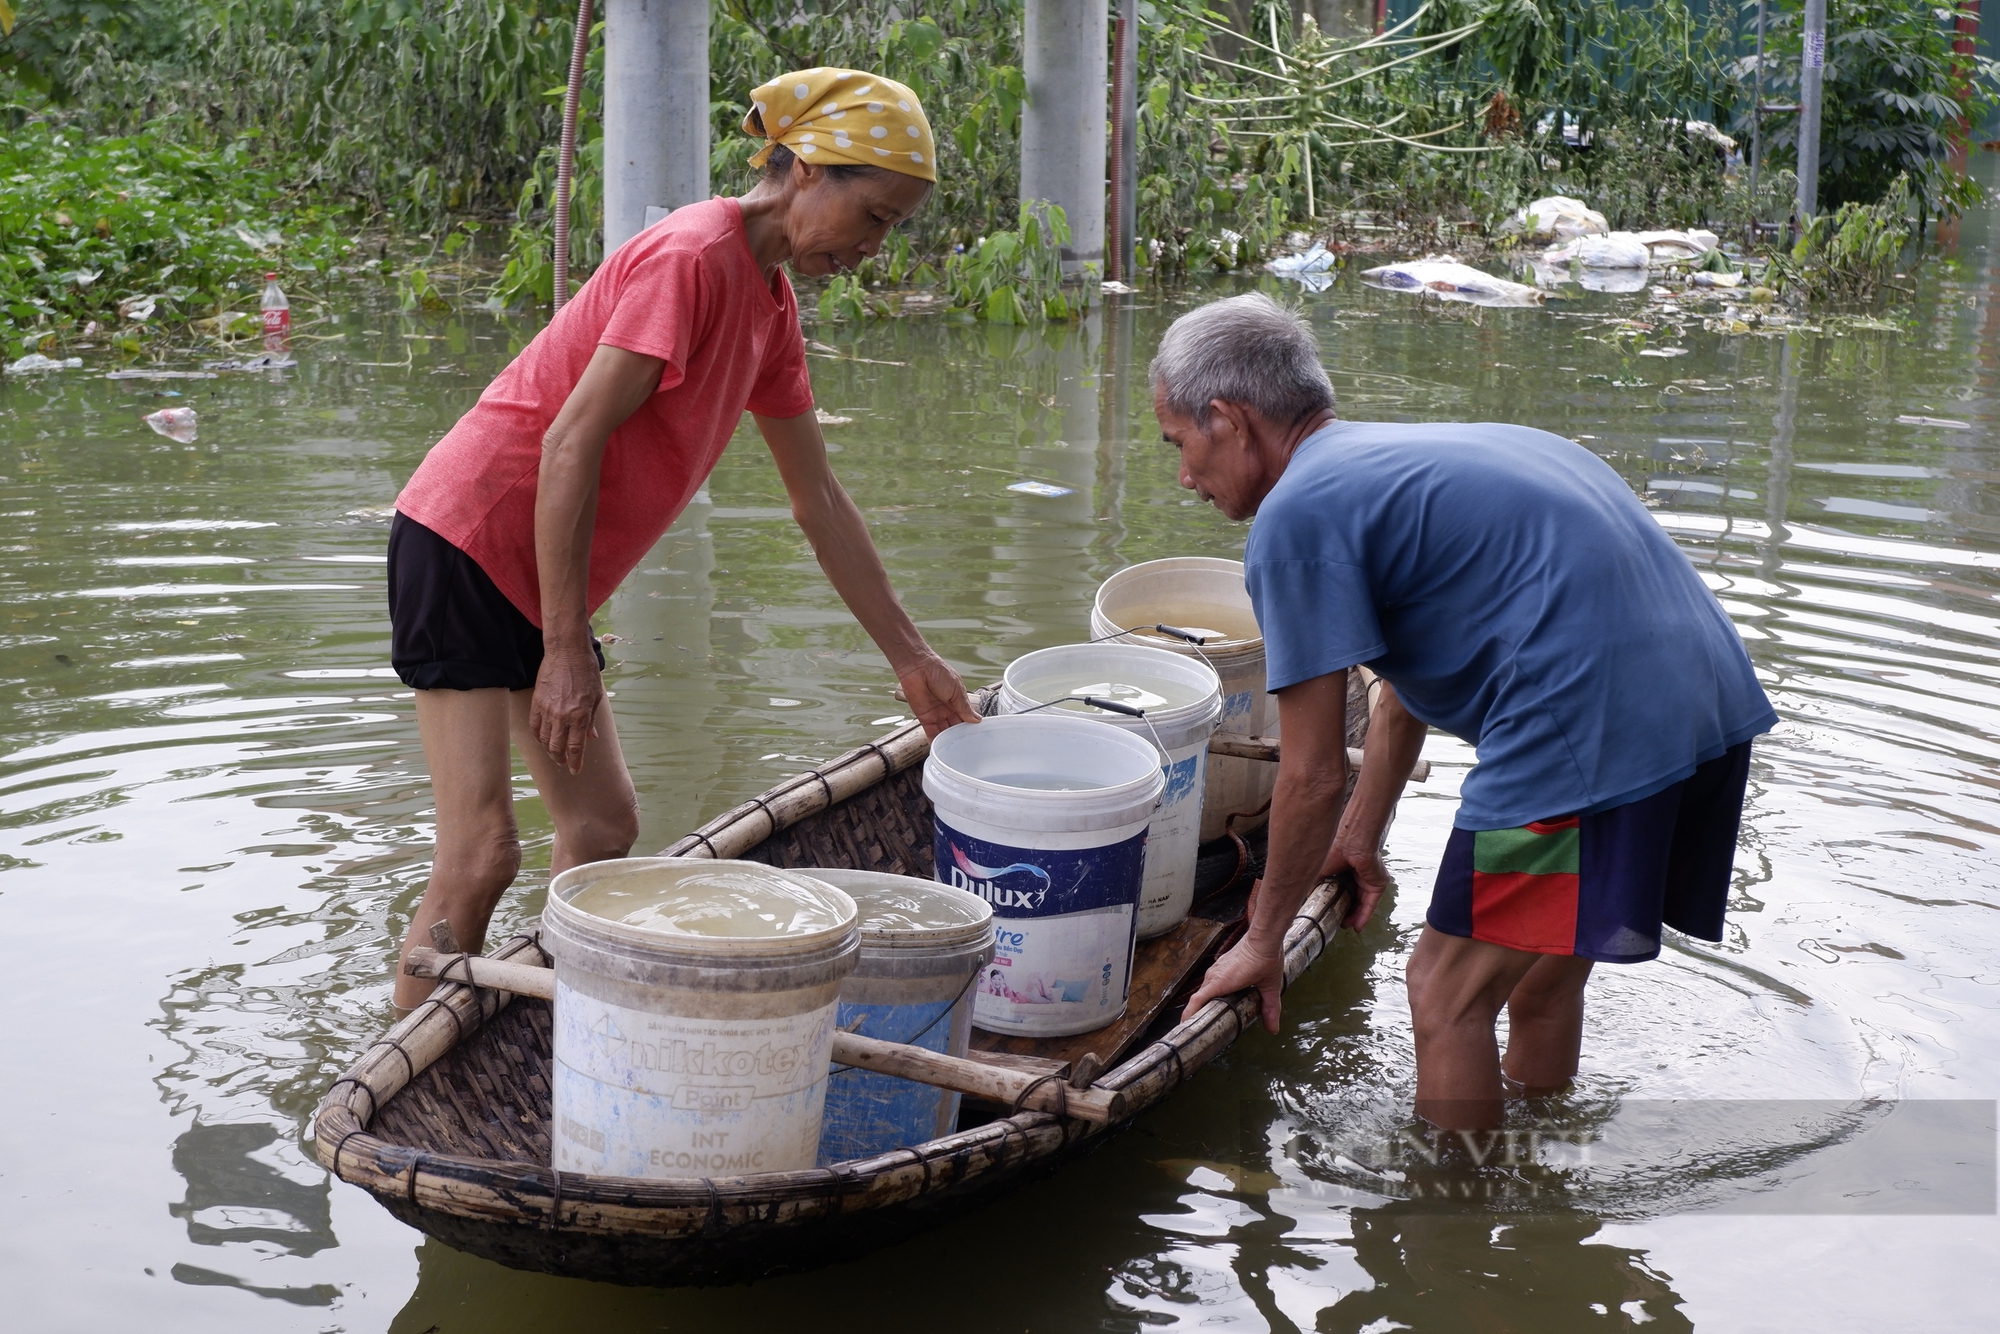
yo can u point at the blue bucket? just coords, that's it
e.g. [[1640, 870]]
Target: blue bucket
[[923, 946]]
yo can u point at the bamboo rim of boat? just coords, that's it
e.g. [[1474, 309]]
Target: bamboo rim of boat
[[504, 1190]]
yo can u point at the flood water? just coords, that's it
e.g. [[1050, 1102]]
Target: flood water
[[214, 822]]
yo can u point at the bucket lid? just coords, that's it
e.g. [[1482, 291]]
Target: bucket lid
[[704, 907], [900, 911]]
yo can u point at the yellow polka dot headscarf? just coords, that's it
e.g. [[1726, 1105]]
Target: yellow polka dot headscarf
[[843, 117]]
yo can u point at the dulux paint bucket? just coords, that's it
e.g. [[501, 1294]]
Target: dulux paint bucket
[[1181, 698], [694, 1015], [1204, 593], [1045, 818], [923, 946]]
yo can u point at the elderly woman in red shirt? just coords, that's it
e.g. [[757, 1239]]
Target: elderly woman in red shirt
[[544, 496]]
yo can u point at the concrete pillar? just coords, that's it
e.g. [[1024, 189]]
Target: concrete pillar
[[1064, 60], [655, 110], [1811, 72]]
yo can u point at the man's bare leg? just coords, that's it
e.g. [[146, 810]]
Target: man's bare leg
[[1545, 1024], [1457, 986], [478, 850]]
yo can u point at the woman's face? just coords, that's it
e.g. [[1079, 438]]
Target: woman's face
[[834, 224]]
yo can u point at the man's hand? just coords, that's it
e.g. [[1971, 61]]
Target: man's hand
[[1371, 878], [935, 694], [1244, 965], [568, 690]]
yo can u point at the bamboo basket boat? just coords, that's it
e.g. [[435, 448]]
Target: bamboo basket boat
[[445, 1119]]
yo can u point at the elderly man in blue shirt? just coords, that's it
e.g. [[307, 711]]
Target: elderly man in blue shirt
[[1511, 590]]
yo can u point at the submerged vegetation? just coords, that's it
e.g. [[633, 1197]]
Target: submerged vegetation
[[135, 232], [252, 126]]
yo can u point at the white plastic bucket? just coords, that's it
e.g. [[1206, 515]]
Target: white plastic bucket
[[1181, 730], [1204, 592], [922, 947], [1061, 865], [699, 1045]]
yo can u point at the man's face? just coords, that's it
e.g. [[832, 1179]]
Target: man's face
[[1218, 462]]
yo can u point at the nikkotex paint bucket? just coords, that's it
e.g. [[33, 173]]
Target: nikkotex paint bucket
[[1045, 818], [694, 1015]]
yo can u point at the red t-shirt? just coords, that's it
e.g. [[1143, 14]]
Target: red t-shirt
[[686, 290]]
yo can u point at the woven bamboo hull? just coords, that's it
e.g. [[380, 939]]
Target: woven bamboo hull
[[445, 1120]]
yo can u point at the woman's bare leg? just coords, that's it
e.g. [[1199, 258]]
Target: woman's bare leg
[[1545, 1024], [596, 812], [478, 851]]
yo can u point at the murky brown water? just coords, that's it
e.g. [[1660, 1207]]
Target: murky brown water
[[213, 821]]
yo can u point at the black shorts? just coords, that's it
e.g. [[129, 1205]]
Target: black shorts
[[450, 626], [1601, 886]]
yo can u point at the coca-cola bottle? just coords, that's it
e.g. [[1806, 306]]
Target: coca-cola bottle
[[277, 313]]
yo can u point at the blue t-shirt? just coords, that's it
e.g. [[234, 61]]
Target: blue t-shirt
[[1516, 593]]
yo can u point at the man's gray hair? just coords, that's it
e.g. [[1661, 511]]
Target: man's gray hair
[[1242, 349]]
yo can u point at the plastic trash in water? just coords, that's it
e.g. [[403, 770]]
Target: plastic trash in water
[[35, 361], [1443, 276], [268, 361], [176, 424], [1316, 260], [1665, 245], [1616, 250], [1702, 278], [1947, 423], [1049, 489], [1561, 217], [277, 313]]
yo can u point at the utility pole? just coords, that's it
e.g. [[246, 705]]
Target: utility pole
[[1812, 67], [655, 111], [1064, 62]]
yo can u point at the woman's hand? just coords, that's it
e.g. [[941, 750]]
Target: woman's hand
[[935, 694], [569, 688], [1246, 964], [1371, 877]]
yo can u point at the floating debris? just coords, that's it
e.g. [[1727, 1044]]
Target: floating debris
[[176, 424], [1316, 260], [1049, 489], [1671, 245], [1561, 217], [1445, 277], [269, 361], [1947, 423], [1614, 250], [825, 418], [35, 361], [159, 375], [1112, 287]]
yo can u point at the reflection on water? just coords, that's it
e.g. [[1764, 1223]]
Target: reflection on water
[[214, 822]]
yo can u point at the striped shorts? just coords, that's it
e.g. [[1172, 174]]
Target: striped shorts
[[1601, 886]]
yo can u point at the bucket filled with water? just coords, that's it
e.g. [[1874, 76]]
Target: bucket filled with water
[[1045, 818], [694, 1015], [1203, 597], [1179, 699], [923, 948]]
